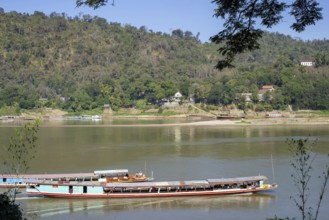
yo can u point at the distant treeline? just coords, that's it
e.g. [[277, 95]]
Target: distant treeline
[[84, 62]]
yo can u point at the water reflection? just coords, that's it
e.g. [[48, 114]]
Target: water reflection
[[43, 207], [178, 138]]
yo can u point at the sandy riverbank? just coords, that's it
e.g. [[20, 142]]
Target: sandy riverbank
[[221, 123], [268, 121], [55, 117]]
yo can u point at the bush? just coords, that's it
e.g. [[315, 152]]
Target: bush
[[259, 108], [9, 210], [141, 104], [7, 110], [242, 105], [268, 107]]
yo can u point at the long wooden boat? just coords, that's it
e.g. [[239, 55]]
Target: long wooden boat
[[98, 176], [59, 189]]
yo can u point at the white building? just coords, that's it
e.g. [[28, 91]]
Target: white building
[[247, 96], [177, 96], [307, 63]]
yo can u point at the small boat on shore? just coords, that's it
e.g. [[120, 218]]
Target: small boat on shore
[[81, 189], [98, 176]]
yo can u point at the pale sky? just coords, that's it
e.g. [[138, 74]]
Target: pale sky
[[162, 15]]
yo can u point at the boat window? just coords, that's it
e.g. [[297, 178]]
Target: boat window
[[84, 189], [70, 189], [4, 180]]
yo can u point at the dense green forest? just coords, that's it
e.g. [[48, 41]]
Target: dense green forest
[[81, 63]]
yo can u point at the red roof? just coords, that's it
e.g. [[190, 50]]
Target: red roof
[[267, 87]]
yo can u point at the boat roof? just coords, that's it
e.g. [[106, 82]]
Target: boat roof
[[187, 183], [63, 183], [95, 174], [157, 184], [111, 172], [236, 180]]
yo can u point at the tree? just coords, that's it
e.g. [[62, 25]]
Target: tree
[[240, 33], [267, 97], [254, 97], [177, 33], [20, 151], [154, 93], [278, 101], [92, 3], [303, 157], [321, 59], [169, 88], [22, 147]]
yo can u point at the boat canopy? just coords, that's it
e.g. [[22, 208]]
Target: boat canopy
[[158, 184], [194, 183], [95, 174], [111, 172], [236, 180]]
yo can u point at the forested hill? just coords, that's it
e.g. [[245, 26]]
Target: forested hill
[[82, 63]]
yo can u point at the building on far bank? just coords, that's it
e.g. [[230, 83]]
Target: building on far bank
[[247, 96], [177, 97], [266, 88], [307, 63], [172, 102], [263, 91], [261, 94]]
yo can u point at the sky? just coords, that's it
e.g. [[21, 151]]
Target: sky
[[163, 15]]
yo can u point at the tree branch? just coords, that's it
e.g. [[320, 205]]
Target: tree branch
[[240, 35], [93, 3]]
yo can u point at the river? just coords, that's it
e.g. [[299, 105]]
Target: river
[[174, 153]]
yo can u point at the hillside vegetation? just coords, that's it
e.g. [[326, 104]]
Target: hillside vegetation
[[79, 64]]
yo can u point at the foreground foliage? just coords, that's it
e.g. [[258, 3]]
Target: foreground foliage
[[301, 162], [240, 32], [303, 158], [9, 209], [19, 153]]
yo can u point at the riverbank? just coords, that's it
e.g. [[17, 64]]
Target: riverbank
[[221, 123], [268, 121], [259, 119]]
